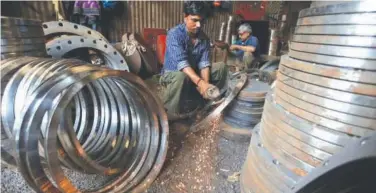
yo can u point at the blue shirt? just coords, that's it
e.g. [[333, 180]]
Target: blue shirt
[[251, 41], [181, 53]]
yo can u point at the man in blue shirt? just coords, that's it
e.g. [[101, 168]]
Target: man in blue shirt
[[247, 48], [187, 61]]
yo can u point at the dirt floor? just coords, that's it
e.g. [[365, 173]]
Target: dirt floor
[[200, 162]]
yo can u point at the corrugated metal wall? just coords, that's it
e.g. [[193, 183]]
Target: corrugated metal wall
[[137, 15], [158, 14]]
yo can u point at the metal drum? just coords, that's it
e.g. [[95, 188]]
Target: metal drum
[[324, 97], [21, 37]]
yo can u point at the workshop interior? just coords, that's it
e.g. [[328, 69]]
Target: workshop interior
[[188, 96]]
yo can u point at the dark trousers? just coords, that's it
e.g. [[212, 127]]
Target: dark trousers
[[178, 84]]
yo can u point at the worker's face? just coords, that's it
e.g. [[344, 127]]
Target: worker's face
[[193, 23], [244, 35]]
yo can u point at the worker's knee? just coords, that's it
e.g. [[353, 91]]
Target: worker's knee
[[180, 77], [174, 78]]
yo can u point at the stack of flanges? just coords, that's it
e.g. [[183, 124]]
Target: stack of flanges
[[62, 116], [21, 37], [65, 113], [67, 40], [324, 97], [245, 111]]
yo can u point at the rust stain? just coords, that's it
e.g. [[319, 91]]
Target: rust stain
[[299, 172]]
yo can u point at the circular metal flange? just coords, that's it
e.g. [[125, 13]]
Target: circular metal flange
[[347, 19], [329, 71], [354, 41], [344, 107], [254, 90], [349, 7], [59, 27], [333, 60], [354, 30], [58, 47], [351, 98], [353, 87], [340, 51], [235, 133]]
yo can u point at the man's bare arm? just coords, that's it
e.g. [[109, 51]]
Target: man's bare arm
[[205, 74], [191, 74], [199, 82], [244, 48]]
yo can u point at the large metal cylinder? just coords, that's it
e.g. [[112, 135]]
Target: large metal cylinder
[[229, 29], [323, 99], [273, 43]]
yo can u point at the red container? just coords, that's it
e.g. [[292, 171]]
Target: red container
[[161, 48]]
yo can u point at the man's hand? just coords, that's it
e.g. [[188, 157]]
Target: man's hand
[[234, 47], [202, 87]]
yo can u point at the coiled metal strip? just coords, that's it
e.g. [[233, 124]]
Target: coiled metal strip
[[58, 47], [136, 159]]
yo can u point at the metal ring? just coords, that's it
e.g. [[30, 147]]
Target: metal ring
[[333, 60], [355, 30], [58, 47], [341, 51], [357, 19], [353, 87], [329, 71], [354, 41], [58, 27], [134, 144], [349, 7]]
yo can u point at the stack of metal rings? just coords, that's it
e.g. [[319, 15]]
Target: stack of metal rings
[[324, 97], [67, 113], [20, 37], [245, 111], [66, 37]]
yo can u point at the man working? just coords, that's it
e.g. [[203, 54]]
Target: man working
[[187, 62], [247, 48]]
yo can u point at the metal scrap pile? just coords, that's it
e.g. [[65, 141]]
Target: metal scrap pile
[[67, 113], [324, 97]]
